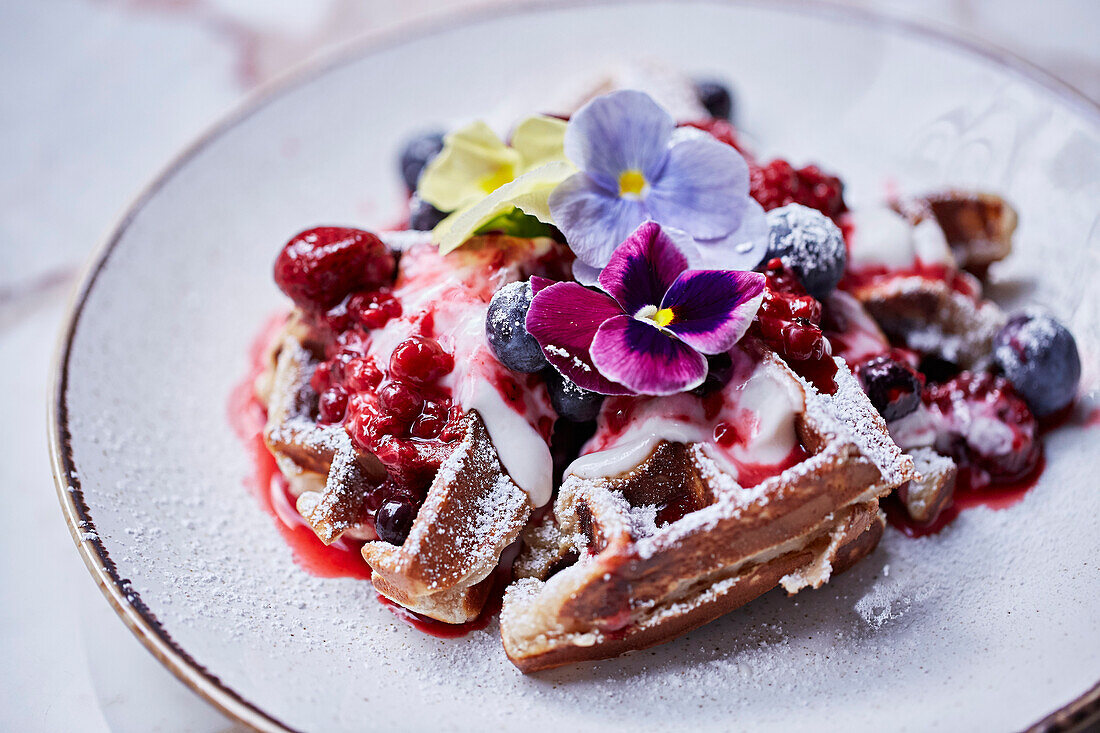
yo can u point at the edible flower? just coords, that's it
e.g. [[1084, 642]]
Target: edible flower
[[651, 327], [478, 177], [636, 165]]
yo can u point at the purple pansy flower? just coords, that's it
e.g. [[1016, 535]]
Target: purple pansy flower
[[650, 329], [636, 165]]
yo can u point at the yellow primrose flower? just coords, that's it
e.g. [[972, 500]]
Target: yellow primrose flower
[[530, 193], [475, 163]]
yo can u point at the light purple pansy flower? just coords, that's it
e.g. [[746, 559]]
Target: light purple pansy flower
[[651, 328], [636, 165]]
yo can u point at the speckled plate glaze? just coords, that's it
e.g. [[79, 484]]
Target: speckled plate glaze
[[993, 624]]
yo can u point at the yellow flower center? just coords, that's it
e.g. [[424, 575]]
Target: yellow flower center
[[631, 183], [663, 317], [659, 318], [504, 173]]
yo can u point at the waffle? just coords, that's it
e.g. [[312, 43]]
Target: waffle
[[601, 576], [978, 226], [945, 316], [328, 476], [473, 508]]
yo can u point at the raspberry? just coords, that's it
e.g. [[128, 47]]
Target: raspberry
[[986, 427], [319, 267], [722, 131], [789, 321], [332, 405], [373, 309], [778, 184], [420, 360]]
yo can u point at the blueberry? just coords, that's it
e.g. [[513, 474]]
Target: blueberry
[[505, 327], [1039, 356], [716, 97], [423, 216], [892, 386], [570, 401], [394, 520], [417, 153], [809, 243]]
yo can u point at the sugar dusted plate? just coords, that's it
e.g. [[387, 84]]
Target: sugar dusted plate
[[994, 622]]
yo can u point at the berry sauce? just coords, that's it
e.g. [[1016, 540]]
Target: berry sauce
[[871, 275], [341, 559], [999, 495]]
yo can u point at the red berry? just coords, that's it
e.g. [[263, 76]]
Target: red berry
[[321, 379], [778, 184], [420, 360], [373, 309], [400, 400], [362, 375], [987, 427], [432, 419], [332, 404], [721, 130], [789, 321], [319, 267]]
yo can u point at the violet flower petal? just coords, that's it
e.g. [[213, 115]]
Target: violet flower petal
[[564, 318], [742, 249], [616, 132], [642, 268], [646, 359], [593, 221], [702, 189], [712, 309]]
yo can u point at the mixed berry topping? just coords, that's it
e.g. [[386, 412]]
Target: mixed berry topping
[[986, 427], [420, 360], [894, 387], [319, 267], [715, 97], [505, 327], [416, 155], [1039, 356], [722, 131], [810, 244], [789, 321], [778, 184]]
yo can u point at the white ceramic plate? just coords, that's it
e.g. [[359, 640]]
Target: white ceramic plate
[[993, 624]]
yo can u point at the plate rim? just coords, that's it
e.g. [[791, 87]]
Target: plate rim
[[126, 602]]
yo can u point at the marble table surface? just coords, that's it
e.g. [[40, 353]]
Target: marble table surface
[[98, 96]]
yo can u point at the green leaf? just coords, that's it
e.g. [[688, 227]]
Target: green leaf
[[516, 224]]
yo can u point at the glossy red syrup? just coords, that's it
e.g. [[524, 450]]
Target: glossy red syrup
[[754, 474], [341, 559], [876, 274], [995, 496]]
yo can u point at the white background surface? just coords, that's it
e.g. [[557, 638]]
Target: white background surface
[[99, 95]]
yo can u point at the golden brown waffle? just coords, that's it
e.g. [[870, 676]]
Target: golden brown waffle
[[634, 583], [328, 477], [978, 226], [473, 510], [947, 318]]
